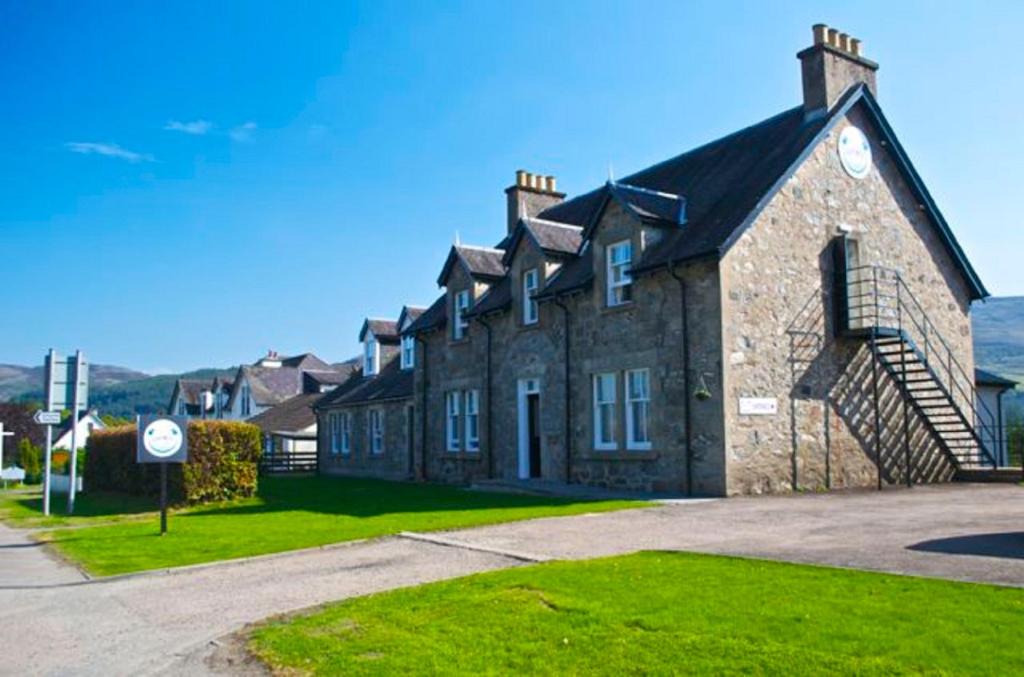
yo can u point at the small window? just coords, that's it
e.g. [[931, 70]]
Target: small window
[[604, 411], [452, 420], [530, 283], [460, 324], [376, 431], [638, 409], [332, 433], [181, 408], [370, 355], [345, 433], [472, 420], [620, 284], [246, 406], [408, 352]]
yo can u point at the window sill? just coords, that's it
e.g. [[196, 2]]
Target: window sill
[[598, 455], [628, 305]]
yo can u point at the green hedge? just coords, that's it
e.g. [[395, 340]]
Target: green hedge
[[223, 459]]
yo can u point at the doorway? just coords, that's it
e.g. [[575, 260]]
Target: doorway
[[529, 429]]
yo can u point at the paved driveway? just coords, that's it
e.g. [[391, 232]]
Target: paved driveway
[[53, 622]]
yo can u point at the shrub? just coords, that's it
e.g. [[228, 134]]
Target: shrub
[[30, 459], [223, 463]]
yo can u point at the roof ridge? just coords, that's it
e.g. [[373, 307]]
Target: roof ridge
[[557, 224], [479, 248]]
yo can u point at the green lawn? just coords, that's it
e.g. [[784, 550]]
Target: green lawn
[[659, 613], [292, 513], [24, 508]]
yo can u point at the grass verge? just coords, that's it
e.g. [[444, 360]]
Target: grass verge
[[660, 613], [23, 508], [293, 513]]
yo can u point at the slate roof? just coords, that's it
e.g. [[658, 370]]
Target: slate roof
[[410, 314], [313, 380], [391, 383], [573, 276], [555, 239], [725, 183], [987, 378], [386, 331], [292, 415], [272, 385], [497, 298], [481, 262], [434, 317], [304, 361], [189, 389]]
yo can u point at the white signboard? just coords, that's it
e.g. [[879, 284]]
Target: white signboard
[[758, 406], [47, 417]]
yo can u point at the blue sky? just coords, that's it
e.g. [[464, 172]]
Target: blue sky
[[190, 184]]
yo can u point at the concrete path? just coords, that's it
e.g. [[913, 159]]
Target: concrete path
[[956, 531], [164, 622]]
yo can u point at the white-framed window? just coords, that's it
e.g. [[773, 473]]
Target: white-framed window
[[638, 409], [181, 407], [618, 258], [246, 405], [605, 386], [408, 352], [472, 420], [345, 434], [371, 355], [452, 406], [460, 324], [376, 431], [531, 280]]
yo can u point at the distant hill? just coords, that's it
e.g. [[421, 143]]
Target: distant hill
[[999, 340], [16, 381], [148, 395]]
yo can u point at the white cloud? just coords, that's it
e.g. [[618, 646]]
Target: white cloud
[[243, 132], [196, 127], [109, 150]]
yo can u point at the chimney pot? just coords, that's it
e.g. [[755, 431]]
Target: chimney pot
[[832, 37], [521, 177], [820, 33], [855, 46], [844, 42], [531, 194]]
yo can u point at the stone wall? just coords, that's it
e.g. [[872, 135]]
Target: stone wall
[[396, 460], [779, 339]]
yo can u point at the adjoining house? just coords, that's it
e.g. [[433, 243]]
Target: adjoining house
[[290, 426], [784, 308], [87, 422], [257, 387], [990, 390], [365, 425]]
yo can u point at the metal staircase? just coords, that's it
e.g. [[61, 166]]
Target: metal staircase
[[876, 305]]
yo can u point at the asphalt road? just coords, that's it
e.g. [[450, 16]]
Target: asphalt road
[[53, 622]]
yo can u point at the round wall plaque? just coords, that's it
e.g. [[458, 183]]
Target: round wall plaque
[[854, 152]]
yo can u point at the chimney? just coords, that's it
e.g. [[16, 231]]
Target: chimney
[[532, 194], [831, 66]]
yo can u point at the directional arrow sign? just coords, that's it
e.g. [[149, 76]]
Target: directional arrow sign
[[47, 417]]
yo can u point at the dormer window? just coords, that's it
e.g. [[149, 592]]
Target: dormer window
[[371, 355], [619, 284], [460, 323], [408, 352], [531, 281]]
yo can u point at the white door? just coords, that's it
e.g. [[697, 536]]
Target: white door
[[527, 387]]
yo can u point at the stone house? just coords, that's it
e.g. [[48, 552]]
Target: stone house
[[784, 308], [365, 424]]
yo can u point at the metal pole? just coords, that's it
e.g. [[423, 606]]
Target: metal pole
[[878, 418], [73, 462], [50, 360], [163, 499], [905, 398]]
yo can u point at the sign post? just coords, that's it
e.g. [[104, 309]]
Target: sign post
[[163, 440], [67, 386]]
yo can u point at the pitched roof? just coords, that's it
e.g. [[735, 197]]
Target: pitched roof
[[272, 385], [189, 389], [385, 331], [409, 314], [304, 361], [480, 262], [573, 276], [390, 384], [497, 298], [434, 317], [725, 184], [291, 415], [987, 378], [553, 238], [313, 380]]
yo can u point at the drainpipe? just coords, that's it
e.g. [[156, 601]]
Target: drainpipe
[[686, 378], [568, 395], [423, 412], [489, 409]]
